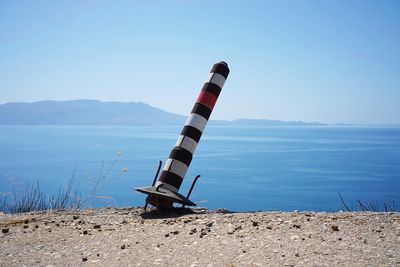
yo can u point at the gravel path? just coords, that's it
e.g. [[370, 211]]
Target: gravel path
[[126, 237]]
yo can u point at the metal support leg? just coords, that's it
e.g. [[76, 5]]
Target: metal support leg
[[191, 188], [154, 181]]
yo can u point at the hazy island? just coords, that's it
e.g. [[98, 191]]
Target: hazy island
[[94, 112]]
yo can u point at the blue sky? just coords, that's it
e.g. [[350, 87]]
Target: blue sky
[[327, 61]]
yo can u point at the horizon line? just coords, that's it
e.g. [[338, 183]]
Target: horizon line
[[227, 120]]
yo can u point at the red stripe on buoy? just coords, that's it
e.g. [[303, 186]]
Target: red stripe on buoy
[[207, 99]]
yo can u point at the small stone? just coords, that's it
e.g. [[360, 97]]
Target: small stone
[[222, 210], [75, 217], [202, 234], [335, 228], [26, 226], [85, 232], [36, 226], [296, 226], [254, 223], [297, 255], [209, 224], [194, 230], [5, 230], [84, 259], [294, 237], [123, 246], [175, 232], [166, 235], [231, 229], [96, 226], [26, 221]]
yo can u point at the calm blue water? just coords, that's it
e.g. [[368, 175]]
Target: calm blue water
[[242, 168]]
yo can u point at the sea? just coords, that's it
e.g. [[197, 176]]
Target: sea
[[242, 168]]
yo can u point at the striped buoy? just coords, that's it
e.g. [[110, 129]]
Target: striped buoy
[[181, 155], [163, 193]]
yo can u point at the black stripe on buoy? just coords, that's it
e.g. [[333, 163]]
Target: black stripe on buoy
[[202, 110], [212, 88], [192, 132], [171, 179], [182, 155]]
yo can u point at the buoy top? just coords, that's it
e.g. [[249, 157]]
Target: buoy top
[[221, 68]]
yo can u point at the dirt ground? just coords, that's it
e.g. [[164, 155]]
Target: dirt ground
[[129, 237]]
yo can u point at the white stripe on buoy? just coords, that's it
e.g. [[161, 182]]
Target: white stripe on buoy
[[216, 78], [167, 186], [187, 143], [197, 121], [175, 166]]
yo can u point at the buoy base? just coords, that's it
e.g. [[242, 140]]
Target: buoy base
[[162, 198]]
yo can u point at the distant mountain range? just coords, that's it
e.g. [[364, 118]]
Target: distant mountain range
[[94, 112]]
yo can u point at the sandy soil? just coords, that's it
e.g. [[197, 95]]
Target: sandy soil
[[126, 237]]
